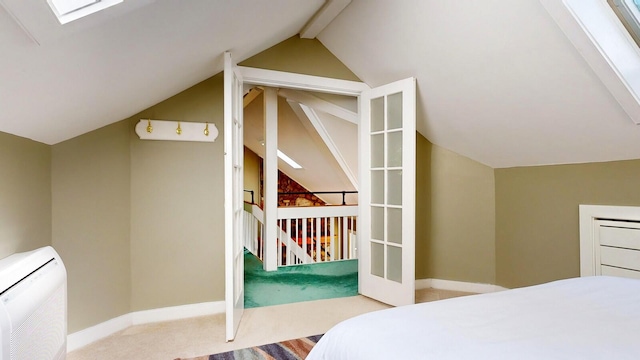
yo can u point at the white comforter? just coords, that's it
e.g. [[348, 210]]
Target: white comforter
[[582, 318]]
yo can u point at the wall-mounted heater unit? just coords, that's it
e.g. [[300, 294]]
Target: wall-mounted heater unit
[[33, 306]]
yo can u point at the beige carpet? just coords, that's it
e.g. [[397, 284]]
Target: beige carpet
[[205, 335]]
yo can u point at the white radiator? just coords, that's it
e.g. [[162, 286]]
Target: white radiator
[[33, 306]]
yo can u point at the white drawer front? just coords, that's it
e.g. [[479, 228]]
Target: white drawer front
[[617, 257], [620, 237]]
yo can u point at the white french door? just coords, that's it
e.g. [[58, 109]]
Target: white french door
[[234, 200], [386, 221], [387, 153]]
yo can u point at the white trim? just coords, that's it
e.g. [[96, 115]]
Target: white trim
[[280, 79], [423, 284], [589, 214], [322, 18], [320, 105], [177, 312], [303, 111], [293, 212], [94, 333], [251, 95], [67, 15], [457, 286], [270, 179]]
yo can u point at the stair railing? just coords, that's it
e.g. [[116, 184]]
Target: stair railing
[[327, 233], [254, 229], [306, 234]]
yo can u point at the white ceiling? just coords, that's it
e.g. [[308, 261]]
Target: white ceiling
[[60, 81], [498, 81], [320, 170]]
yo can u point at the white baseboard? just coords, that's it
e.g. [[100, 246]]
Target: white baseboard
[[457, 286], [87, 336], [177, 312], [97, 332]]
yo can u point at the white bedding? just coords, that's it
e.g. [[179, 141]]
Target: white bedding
[[582, 318]]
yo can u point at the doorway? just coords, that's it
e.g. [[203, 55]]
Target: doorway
[[387, 259], [316, 199]]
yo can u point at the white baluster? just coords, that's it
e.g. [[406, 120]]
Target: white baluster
[[332, 243], [289, 245], [305, 240]]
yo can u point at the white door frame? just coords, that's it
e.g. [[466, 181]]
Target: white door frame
[[271, 79], [279, 79]]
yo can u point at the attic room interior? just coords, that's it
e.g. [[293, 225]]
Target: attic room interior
[[525, 162]]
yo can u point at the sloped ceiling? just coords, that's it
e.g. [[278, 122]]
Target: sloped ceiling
[[320, 171], [498, 81], [60, 81]]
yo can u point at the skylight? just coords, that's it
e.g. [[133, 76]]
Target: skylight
[[629, 13], [69, 10], [288, 160]]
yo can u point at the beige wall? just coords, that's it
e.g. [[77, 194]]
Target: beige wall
[[461, 244], [155, 209], [252, 175], [423, 206], [455, 216], [177, 196], [537, 235], [25, 194], [90, 186], [140, 223], [302, 56]]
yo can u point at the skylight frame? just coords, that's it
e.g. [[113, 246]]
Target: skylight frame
[[80, 12], [630, 13]]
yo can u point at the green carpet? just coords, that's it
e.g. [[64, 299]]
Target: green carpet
[[297, 283]]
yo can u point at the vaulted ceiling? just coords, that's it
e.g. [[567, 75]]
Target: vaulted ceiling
[[498, 80]]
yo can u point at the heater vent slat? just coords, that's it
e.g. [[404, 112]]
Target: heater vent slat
[[33, 306]]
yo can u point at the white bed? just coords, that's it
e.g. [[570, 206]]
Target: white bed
[[595, 317], [591, 317]]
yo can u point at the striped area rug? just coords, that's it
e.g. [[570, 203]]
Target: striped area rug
[[296, 349]]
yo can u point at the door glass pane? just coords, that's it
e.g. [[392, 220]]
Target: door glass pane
[[377, 186], [394, 115], [377, 114], [394, 146], [394, 263], [394, 225], [394, 187], [377, 259], [377, 151], [377, 223]]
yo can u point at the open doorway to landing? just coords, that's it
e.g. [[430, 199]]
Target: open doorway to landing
[[316, 202]]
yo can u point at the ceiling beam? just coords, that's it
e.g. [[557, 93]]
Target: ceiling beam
[[250, 96], [304, 112], [281, 79], [323, 17], [320, 104]]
